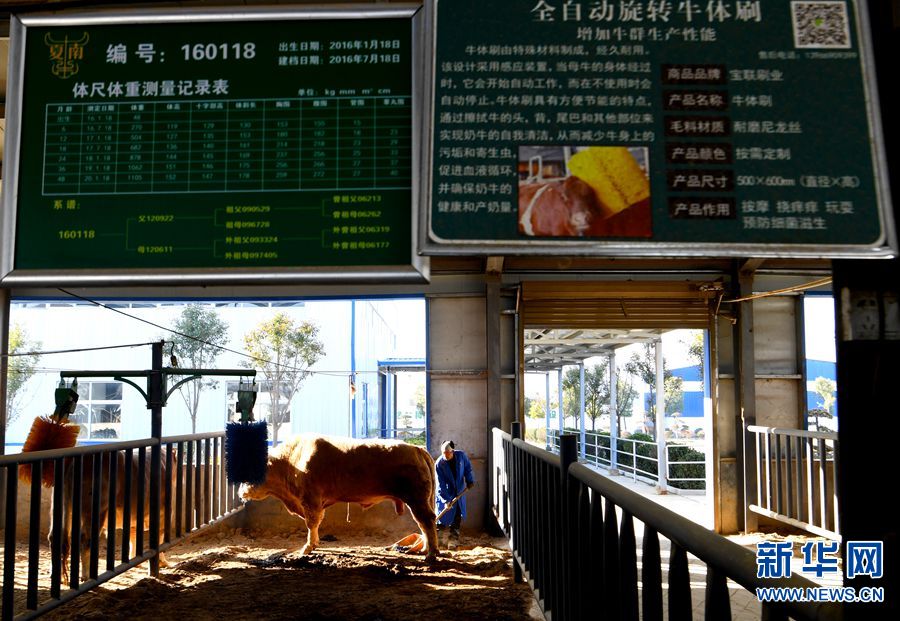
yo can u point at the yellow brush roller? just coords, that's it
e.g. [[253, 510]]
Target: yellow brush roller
[[613, 174]]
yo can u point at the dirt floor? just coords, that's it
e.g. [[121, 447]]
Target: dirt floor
[[237, 574]]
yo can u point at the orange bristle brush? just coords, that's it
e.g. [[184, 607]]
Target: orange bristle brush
[[52, 432]]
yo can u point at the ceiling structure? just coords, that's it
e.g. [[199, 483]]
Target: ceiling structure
[[548, 349], [568, 322]]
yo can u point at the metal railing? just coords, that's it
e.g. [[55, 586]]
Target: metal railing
[[194, 494], [795, 478], [572, 535], [642, 465], [415, 435]]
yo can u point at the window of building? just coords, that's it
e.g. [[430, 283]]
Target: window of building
[[99, 410]]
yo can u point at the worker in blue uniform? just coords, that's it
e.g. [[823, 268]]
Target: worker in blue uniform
[[454, 475]]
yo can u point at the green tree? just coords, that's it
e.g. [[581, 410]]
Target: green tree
[[419, 398], [625, 396], [21, 369], [570, 393], [284, 350], [825, 388], [695, 350], [674, 397], [202, 335], [537, 408], [643, 365], [596, 391]]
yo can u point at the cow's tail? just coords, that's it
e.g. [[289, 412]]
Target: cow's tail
[[428, 463]]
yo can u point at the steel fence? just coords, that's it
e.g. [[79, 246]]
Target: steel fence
[[194, 494], [795, 478], [637, 458], [572, 533]]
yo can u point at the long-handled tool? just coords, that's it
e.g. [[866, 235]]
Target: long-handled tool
[[415, 543]]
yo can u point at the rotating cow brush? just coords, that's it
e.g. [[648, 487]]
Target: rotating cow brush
[[52, 432], [246, 442]]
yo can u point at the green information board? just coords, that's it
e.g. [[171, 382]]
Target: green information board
[[723, 128], [252, 143]]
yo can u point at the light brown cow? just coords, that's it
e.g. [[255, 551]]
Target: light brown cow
[[86, 504], [310, 473]]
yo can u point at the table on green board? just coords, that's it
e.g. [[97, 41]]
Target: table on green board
[[260, 143]]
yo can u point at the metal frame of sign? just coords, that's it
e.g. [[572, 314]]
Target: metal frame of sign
[[885, 247], [417, 271]]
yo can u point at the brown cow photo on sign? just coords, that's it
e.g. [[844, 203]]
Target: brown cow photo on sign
[[584, 191]]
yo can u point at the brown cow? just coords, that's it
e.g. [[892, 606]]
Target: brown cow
[[310, 473], [86, 504]]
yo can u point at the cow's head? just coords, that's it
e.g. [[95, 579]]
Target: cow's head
[[248, 491]]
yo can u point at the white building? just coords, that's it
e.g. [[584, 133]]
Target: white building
[[355, 334]]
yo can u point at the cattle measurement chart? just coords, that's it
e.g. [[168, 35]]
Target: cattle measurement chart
[[279, 142], [247, 145]]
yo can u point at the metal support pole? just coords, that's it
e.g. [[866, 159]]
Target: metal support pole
[[4, 369], [613, 416], [547, 411], [581, 405], [515, 430], [660, 421], [494, 375], [560, 415], [156, 393], [745, 410], [4, 365], [568, 454]]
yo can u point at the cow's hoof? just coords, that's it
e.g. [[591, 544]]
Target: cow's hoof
[[307, 549]]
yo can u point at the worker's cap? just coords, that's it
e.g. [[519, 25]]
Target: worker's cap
[[447, 444]]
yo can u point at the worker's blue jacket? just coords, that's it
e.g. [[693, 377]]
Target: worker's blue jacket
[[449, 487]]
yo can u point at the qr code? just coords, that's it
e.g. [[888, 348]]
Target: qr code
[[820, 25]]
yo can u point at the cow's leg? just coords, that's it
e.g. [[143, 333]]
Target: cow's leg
[[67, 515], [313, 519], [424, 516], [85, 547], [64, 535]]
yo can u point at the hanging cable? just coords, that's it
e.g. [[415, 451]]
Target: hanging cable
[[199, 340], [810, 285], [71, 351]]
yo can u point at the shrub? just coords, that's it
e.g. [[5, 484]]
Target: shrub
[[688, 471]]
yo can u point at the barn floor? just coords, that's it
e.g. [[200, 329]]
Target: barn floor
[[237, 574]]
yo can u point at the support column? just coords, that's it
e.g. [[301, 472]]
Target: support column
[[581, 405], [547, 411], [4, 368], [662, 468], [868, 367], [613, 417], [494, 411], [745, 404], [156, 393], [560, 416]]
